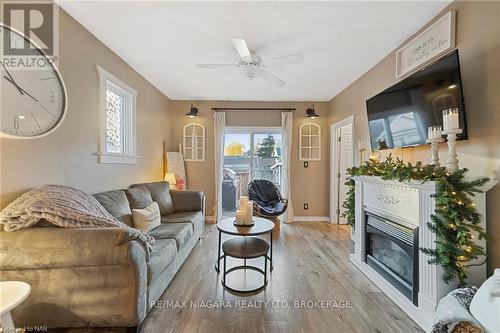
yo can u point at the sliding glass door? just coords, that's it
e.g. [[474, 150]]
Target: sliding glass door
[[249, 154]]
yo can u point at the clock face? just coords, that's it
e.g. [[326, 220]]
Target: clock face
[[32, 98]]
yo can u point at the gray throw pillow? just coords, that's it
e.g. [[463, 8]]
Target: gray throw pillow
[[116, 203], [138, 197], [161, 194]]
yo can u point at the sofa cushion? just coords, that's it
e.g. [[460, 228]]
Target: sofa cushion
[[485, 305], [195, 218], [148, 218], [180, 232], [188, 201], [161, 194], [164, 252], [116, 203], [139, 197]]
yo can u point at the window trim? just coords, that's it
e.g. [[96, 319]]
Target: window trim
[[194, 147], [129, 156]]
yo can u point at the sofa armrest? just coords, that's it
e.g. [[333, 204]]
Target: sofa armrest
[[103, 270], [188, 201], [54, 247]]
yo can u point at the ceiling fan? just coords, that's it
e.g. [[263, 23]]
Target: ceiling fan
[[251, 65]]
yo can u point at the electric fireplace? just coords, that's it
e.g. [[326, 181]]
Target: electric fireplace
[[392, 250]]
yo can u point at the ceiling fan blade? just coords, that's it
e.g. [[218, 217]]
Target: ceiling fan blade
[[241, 47], [286, 60], [216, 65], [271, 78]]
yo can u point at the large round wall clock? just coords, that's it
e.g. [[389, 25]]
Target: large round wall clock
[[32, 95]]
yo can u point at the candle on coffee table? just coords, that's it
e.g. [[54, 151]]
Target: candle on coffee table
[[249, 212], [240, 216]]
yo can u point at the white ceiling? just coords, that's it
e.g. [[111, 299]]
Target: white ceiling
[[164, 41]]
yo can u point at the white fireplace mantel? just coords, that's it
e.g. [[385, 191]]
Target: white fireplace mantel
[[410, 204]]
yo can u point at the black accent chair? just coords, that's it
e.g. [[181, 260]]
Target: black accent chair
[[267, 199]]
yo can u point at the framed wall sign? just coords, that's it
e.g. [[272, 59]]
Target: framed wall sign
[[434, 41]]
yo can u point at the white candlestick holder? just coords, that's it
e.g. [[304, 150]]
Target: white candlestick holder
[[435, 149], [452, 161]]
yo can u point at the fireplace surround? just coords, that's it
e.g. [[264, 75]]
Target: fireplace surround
[[408, 206]]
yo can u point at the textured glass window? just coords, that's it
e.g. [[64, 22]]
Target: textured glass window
[[114, 114]]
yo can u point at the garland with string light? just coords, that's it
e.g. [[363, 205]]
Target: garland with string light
[[455, 220]]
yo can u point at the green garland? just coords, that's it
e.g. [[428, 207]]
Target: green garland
[[455, 220]]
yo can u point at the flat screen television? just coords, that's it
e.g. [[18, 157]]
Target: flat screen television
[[399, 116]]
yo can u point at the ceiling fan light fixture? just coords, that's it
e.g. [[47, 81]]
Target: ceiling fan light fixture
[[193, 112], [250, 70], [251, 65], [311, 114]]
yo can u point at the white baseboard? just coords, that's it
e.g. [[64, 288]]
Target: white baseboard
[[295, 219], [311, 219]]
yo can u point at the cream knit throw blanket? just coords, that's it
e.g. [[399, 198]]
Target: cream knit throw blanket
[[64, 207]]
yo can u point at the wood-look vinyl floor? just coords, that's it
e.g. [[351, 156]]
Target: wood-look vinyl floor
[[311, 264]]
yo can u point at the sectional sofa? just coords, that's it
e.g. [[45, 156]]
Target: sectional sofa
[[100, 277]]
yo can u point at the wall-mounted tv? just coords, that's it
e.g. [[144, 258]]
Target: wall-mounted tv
[[399, 116]]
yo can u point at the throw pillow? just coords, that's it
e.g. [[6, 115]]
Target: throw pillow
[[138, 197], [148, 218], [116, 203], [160, 193], [485, 305]]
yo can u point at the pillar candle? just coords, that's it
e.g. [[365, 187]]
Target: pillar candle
[[450, 119], [434, 132], [243, 201], [248, 212], [453, 120], [240, 218]]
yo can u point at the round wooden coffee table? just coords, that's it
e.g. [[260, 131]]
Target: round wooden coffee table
[[261, 227], [245, 248]]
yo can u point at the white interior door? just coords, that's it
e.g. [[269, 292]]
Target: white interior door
[[344, 162]]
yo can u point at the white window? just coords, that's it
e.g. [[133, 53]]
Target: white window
[[309, 142], [194, 142], [117, 128]]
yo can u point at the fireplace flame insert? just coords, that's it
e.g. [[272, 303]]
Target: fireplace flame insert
[[392, 250]]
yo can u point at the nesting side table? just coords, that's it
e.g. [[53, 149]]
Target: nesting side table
[[261, 227]]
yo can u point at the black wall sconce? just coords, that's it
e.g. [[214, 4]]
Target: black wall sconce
[[311, 114], [193, 112]]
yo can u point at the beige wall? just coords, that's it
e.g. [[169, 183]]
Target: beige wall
[[478, 42], [68, 155], [309, 185]]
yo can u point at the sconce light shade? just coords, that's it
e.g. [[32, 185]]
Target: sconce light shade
[[311, 114], [193, 112]]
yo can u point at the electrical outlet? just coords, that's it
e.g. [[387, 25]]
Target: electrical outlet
[[306, 206], [306, 164]]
